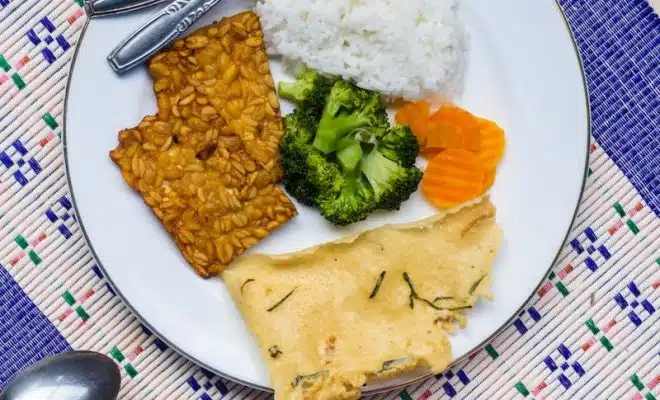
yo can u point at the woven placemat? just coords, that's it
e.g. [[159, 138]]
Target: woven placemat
[[591, 331]]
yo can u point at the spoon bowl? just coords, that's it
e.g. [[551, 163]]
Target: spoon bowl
[[76, 375]]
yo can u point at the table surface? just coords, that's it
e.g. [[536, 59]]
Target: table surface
[[590, 332]]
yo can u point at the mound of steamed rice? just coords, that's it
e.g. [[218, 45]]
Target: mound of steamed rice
[[407, 49]]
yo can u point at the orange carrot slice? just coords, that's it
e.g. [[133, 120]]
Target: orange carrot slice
[[489, 179], [492, 143], [453, 177], [452, 127], [416, 116], [429, 153]]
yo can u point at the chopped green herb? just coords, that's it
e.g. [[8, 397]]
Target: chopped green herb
[[414, 296], [304, 378], [476, 285], [279, 303], [245, 283], [378, 283], [390, 364], [274, 351], [458, 308]]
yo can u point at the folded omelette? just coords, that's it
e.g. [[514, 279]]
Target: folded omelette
[[369, 307]]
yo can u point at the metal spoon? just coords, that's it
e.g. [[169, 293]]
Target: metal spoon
[[76, 375]]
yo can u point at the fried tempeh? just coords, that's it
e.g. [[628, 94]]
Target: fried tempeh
[[208, 162]]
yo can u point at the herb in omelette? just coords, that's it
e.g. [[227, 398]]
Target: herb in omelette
[[274, 351], [475, 285], [414, 296], [245, 283], [391, 364], [282, 300], [378, 283], [305, 378]]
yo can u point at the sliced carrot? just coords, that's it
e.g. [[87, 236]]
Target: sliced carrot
[[489, 179], [492, 143], [429, 153], [416, 116], [452, 127], [453, 177]]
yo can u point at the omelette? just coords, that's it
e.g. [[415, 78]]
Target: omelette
[[330, 318]]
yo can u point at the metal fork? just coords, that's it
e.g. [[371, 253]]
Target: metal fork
[[157, 33]]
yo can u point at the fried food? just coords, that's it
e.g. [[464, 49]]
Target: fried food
[[370, 307], [208, 162]]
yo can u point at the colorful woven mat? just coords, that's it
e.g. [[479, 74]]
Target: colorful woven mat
[[591, 331]]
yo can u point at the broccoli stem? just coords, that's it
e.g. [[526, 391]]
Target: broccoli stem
[[350, 156], [378, 169], [332, 130]]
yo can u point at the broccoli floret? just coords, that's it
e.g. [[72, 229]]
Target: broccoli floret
[[352, 204], [294, 148], [339, 153], [323, 174], [392, 183], [400, 144], [309, 91], [347, 109]]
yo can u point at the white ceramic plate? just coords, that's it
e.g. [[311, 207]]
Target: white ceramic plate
[[523, 73]]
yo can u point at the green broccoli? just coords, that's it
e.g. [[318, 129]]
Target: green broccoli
[[392, 183], [352, 204], [294, 148], [309, 91], [400, 144], [339, 153], [347, 109]]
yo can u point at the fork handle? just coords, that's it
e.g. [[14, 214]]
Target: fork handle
[[102, 8], [157, 33]]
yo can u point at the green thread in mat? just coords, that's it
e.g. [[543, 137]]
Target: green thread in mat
[[592, 326], [633, 227], [50, 121], [80, 2], [116, 354], [405, 396], [619, 210], [635, 381], [562, 289], [82, 313], [34, 257], [590, 172], [20, 240], [650, 396], [522, 389], [20, 84], [4, 64], [68, 297], [491, 351], [132, 372], [552, 275], [606, 343]]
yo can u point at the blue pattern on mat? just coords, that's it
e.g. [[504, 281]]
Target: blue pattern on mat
[[26, 335], [620, 44]]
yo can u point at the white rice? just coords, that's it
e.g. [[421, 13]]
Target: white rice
[[401, 48]]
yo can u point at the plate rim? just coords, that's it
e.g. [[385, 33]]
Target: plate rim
[[373, 391]]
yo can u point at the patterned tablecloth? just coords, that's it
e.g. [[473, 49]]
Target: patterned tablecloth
[[591, 331]]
